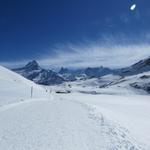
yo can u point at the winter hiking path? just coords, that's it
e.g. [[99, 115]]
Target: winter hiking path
[[59, 124]]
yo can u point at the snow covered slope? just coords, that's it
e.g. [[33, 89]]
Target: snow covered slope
[[14, 88], [112, 85], [60, 124], [138, 84], [131, 113]]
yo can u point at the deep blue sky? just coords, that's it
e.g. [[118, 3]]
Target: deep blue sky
[[29, 28]]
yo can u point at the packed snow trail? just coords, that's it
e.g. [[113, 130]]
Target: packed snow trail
[[58, 125]]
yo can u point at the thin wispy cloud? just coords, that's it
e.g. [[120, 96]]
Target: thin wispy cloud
[[107, 51], [95, 55]]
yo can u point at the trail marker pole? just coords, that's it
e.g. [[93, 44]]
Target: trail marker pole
[[31, 91]]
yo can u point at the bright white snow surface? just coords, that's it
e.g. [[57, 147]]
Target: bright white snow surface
[[74, 121], [130, 112]]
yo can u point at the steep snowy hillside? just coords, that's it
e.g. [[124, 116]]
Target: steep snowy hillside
[[137, 83], [139, 67], [14, 88]]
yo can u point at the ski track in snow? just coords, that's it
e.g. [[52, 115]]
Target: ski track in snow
[[60, 124]]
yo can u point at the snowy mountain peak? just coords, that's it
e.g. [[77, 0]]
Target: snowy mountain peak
[[34, 72], [97, 72], [32, 65], [63, 70]]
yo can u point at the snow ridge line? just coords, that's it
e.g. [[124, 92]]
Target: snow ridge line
[[114, 134]]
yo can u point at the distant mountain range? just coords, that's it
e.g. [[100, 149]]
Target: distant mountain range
[[34, 72]]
